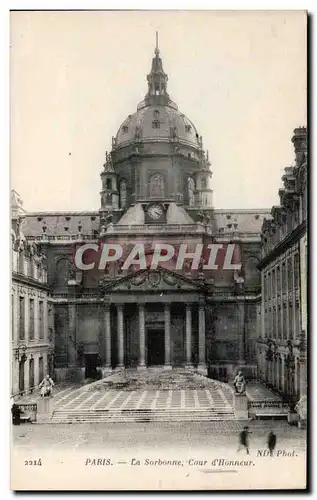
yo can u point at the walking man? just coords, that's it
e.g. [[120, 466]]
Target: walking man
[[271, 442], [244, 439]]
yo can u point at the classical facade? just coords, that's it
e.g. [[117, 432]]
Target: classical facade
[[32, 313], [282, 310], [156, 187]]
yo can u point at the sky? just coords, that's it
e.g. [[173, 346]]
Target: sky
[[240, 76]]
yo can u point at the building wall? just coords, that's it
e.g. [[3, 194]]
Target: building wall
[[282, 326], [32, 334]]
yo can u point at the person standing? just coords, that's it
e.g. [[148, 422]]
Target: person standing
[[271, 442], [244, 440]]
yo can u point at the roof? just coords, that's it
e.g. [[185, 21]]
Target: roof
[[63, 223]]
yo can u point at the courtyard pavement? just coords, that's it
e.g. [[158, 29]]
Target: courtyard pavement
[[155, 435]]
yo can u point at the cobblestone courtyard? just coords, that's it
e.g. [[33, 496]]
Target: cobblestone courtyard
[[162, 435]]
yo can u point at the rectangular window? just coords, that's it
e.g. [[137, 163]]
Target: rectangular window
[[283, 277], [273, 283], [290, 274], [21, 318], [12, 316], [265, 287], [31, 319], [155, 124], [296, 269], [41, 319], [290, 322], [278, 279]]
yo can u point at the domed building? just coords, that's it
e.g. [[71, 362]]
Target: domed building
[[156, 188], [157, 155]]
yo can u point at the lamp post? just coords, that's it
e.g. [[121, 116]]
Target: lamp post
[[20, 353]]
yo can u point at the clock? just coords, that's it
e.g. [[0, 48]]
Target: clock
[[155, 212]]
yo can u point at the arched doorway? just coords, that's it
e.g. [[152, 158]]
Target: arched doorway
[[21, 375]]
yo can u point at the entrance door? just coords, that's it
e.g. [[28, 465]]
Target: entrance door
[[91, 363], [21, 376], [155, 347]]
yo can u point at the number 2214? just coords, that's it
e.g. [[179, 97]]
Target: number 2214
[[33, 462]]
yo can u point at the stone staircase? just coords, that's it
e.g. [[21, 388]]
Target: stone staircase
[[149, 397], [141, 415]]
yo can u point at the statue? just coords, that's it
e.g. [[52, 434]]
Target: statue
[[238, 278], [201, 265], [200, 217], [138, 131], [71, 272], [239, 383], [108, 218], [173, 131], [187, 266]]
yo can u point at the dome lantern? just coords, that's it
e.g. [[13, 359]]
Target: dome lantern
[[157, 81]]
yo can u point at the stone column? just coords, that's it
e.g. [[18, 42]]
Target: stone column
[[202, 338], [120, 327], [283, 373], [167, 337], [295, 324], [241, 338], [141, 336], [188, 335], [107, 325], [45, 320], [302, 377], [71, 334], [36, 370]]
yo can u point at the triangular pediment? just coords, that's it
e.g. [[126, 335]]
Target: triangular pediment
[[148, 280]]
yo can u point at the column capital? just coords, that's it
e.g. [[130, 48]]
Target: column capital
[[120, 307], [201, 301]]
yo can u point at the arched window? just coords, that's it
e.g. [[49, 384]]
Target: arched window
[[21, 262], [156, 186], [203, 183], [123, 194], [191, 191], [109, 183], [61, 272]]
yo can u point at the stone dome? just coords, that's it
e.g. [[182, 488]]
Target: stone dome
[[158, 122], [157, 117]]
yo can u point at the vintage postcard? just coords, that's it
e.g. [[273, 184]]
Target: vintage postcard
[[159, 250]]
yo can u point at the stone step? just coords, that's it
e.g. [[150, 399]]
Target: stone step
[[128, 415], [140, 418]]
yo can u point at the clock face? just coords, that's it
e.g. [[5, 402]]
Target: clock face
[[155, 211]]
